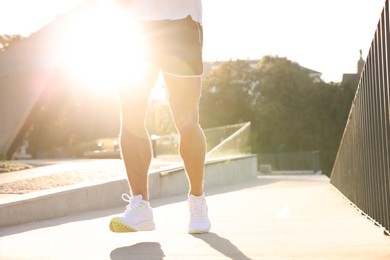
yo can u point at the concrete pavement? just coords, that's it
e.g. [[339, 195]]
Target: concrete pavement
[[271, 217], [95, 185]]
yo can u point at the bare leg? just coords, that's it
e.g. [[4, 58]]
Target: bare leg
[[184, 95], [134, 138]]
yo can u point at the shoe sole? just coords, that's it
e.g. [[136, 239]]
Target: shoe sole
[[194, 232], [199, 231], [118, 227]]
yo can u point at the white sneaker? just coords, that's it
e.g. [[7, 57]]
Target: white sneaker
[[199, 220], [138, 216]]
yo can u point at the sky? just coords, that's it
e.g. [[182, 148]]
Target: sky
[[323, 35]]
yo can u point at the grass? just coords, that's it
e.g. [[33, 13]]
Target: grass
[[7, 166]]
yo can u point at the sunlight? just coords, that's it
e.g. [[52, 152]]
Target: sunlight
[[102, 48], [159, 91]]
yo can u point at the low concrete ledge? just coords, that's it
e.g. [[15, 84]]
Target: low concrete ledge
[[105, 194], [218, 172]]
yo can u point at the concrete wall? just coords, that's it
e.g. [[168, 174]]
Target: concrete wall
[[105, 194]]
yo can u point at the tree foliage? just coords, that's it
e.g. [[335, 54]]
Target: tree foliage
[[287, 109], [283, 110], [228, 94]]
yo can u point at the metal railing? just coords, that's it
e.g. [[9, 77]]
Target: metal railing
[[362, 168], [229, 140], [233, 140]]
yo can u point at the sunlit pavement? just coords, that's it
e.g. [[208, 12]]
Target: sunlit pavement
[[273, 217]]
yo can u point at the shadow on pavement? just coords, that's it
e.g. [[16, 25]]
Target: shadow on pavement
[[216, 190], [222, 245], [144, 250], [11, 230]]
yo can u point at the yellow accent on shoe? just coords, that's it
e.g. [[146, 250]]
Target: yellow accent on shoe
[[117, 226], [196, 231]]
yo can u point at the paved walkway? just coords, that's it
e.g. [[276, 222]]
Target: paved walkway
[[272, 217]]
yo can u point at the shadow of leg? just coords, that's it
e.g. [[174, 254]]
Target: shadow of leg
[[222, 245], [145, 250]]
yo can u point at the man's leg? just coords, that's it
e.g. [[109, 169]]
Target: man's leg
[[134, 138], [184, 95], [136, 152]]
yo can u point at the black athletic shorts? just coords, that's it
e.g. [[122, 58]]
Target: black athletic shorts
[[175, 46]]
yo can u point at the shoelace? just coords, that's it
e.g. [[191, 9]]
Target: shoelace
[[131, 206], [196, 210]]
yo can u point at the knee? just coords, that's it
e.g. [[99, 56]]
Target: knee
[[132, 128], [187, 126]]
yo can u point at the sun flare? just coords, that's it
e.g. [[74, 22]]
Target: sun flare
[[102, 48]]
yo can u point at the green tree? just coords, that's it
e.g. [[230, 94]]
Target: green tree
[[284, 116], [288, 111], [333, 103], [228, 94]]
